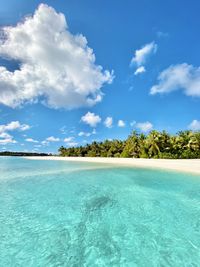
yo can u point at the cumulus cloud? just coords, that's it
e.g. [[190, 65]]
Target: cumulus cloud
[[69, 139], [179, 77], [121, 123], [24, 127], [91, 119], [84, 134], [5, 137], [87, 134], [140, 70], [7, 141], [14, 125], [108, 122], [52, 139], [31, 140], [141, 54], [194, 125], [144, 126], [56, 67]]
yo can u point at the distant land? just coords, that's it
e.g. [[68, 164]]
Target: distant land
[[23, 154], [157, 145]]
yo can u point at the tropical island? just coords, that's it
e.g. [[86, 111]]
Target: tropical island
[[183, 145], [99, 133]]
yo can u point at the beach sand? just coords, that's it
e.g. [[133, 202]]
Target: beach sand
[[181, 165]]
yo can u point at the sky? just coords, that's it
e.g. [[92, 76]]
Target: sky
[[74, 71]]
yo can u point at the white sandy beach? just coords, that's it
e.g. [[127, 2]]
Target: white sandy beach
[[182, 165]]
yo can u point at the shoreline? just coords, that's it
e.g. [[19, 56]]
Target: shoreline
[[180, 165]]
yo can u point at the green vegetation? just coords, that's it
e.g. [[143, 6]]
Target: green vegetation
[[185, 144], [22, 154]]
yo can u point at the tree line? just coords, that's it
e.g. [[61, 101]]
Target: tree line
[[184, 144], [22, 154]]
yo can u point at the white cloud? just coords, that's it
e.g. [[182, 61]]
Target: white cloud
[[71, 144], [13, 125], [7, 141], [144, 126], [31, 140], [142, 54], [6, 138], [56, 67], [140, 70], [108, 122], [84, 134], [91, 119], [179, 77], [24, 127], [5, 135], [87, 134], [45, 143], [194, 125], [69, 139], [121, 123], [52, 139]]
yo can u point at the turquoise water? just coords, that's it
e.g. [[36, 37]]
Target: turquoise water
[[55, 213]]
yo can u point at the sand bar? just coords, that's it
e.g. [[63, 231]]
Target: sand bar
[[181, 165]]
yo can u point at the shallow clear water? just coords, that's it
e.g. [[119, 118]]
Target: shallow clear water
[[55, 213]]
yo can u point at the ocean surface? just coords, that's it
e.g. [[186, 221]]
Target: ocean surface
[[56, 213]]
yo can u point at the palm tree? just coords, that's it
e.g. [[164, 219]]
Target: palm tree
[[132, 146], [62, 150], [153, 143], [185, 144]]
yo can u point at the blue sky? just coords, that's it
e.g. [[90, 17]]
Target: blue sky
[[142, 72]]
